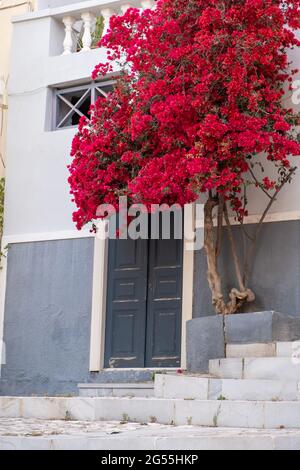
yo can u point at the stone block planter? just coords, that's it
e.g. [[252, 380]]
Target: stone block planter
[[207, 337]]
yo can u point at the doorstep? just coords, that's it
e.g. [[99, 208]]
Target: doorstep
[[145, 389]]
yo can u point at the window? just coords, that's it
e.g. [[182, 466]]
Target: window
[[72, 103]]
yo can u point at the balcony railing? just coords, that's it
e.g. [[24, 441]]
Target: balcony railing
[[84, 29]]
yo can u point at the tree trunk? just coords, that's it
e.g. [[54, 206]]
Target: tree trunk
[[237, 297]]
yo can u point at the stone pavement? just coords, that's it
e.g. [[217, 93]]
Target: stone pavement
[[25, 434]]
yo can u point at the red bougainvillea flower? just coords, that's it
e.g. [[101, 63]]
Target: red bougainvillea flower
[[198, 104]]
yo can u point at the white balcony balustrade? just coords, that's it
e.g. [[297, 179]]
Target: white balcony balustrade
[[84, 27]]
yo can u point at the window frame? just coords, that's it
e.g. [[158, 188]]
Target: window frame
[[91, 87]]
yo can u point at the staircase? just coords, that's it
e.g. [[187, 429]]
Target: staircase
[[255, 389]]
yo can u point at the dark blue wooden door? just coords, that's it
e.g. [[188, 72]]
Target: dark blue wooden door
[[144, 298]]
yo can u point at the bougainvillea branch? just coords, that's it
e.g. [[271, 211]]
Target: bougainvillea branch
[[198, 104]]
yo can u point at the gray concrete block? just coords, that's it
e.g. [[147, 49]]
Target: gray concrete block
[[205, 341], [260, 327]]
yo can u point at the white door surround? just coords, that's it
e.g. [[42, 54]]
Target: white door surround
[[97, 345]]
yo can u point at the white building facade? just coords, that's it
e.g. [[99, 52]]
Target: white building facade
[[55, 285]]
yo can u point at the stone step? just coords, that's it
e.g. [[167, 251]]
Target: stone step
[[211, 413], [205, 388], [273, 349], [116, 376], [45, 435], [117, 390], [266, 368]]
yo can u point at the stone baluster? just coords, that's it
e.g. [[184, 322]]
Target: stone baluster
[[89, 21], [107, 13], [147, 4], [68, 44]]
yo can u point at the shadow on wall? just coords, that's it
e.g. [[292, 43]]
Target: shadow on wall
[[275, 275]]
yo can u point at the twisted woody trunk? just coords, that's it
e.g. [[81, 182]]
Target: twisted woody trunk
[[238, 296]]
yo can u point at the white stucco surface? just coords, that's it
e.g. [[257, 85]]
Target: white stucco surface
[[8, 9], [37, 197]]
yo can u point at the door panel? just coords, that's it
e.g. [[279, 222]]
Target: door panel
[[164, 303], [126, 303]]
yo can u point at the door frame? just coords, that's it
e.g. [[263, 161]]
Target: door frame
[[100, 271]]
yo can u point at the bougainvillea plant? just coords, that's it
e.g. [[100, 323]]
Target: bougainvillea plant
[[197, 109]]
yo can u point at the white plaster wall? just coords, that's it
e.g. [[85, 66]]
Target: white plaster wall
[[37, 193], [289, 199], [8, 9]]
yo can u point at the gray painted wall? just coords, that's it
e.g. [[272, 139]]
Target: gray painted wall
[[47, 317], [275, 275]]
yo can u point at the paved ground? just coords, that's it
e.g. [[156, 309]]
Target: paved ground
[[56, 435]]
